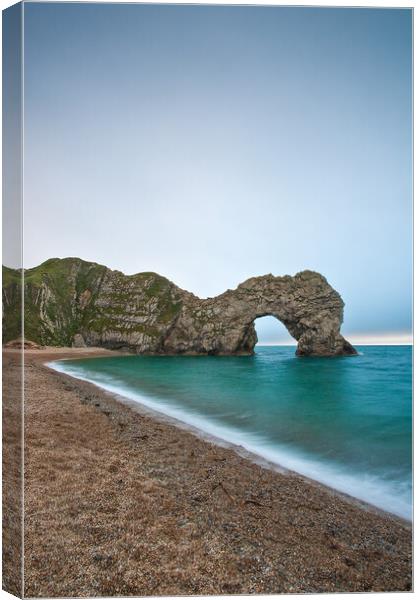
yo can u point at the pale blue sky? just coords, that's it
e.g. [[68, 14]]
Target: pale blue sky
[[211, 144]]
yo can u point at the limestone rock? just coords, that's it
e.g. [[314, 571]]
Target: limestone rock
[[19, 344], [78, 341], [73, 302]]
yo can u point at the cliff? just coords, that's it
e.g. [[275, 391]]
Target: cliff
[[73, 302]]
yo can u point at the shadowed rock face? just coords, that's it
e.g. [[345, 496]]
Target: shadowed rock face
[[72, 302]]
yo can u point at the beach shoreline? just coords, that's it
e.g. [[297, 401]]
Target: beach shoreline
[[223, 442], [314, 539]]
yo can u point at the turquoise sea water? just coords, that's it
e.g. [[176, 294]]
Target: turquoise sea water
[[346, 422]]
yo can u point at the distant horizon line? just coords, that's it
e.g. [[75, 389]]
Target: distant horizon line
[[374, 339], [290, 344]]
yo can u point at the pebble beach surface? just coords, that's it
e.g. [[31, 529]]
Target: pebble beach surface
[[118, 502]]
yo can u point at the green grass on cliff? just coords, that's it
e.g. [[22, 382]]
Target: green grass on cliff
[[54, 308], [12, 303]]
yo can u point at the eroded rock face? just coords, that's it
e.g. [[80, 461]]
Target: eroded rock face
[[72, 302], [306, 304]]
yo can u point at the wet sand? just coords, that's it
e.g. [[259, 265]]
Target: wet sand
[[119, 502]]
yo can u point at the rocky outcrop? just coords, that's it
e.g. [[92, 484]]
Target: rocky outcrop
[[73, 302], [20, 344]]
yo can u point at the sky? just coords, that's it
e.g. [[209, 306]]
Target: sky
[[211, 144]]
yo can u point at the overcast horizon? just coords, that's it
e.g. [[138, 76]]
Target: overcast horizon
[[211, 144]]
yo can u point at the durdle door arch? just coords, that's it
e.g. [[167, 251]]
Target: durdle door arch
[[309, 343], [74, 302], [310, 309]]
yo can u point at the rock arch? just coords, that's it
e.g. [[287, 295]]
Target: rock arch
[[71, 301], [310, 309]]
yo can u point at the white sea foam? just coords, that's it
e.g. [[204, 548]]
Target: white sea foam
[[394, 497]]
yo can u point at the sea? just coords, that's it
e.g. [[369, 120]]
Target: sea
[[344, 421]]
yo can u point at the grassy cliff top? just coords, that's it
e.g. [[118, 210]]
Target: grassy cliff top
[[62, 267]]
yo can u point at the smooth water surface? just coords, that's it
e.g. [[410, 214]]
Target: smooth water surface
[[345, 421]]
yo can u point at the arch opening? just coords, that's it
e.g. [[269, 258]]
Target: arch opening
[[272, 332]]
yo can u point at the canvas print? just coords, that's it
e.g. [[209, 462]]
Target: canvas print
[[207, 314]]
